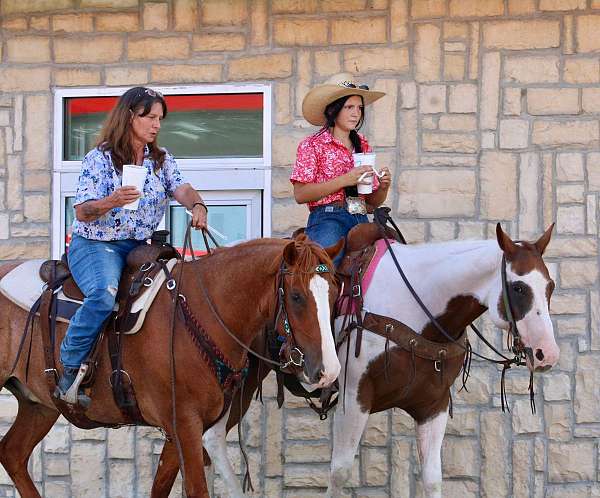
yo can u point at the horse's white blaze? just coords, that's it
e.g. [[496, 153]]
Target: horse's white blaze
[[331, 365]]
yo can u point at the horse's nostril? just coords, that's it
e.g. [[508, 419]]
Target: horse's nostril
[[539, 354]]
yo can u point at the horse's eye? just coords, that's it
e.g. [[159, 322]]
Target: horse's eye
[[296, 297], [518, 288]]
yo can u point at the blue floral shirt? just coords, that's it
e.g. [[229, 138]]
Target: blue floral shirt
[[98, 179]]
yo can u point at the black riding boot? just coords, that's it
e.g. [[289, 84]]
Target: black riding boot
[[63, 389]]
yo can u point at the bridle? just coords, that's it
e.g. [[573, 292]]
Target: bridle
[[520, 352], [518, 347], [290, 354], [295, 356]]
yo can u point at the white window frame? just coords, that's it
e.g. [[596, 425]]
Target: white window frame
[[214, 175]]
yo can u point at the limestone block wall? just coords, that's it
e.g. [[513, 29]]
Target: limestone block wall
[[492, 114]]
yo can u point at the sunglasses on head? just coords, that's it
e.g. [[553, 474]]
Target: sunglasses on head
[[152, 93], [349, 84]]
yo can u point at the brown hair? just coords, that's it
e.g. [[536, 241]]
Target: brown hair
[[115, 136], [331, 113]]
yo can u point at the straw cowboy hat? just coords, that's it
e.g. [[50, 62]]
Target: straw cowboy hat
[[315, 102]]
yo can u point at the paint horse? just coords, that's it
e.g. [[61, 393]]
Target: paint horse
[[241, 289], [457, 281]]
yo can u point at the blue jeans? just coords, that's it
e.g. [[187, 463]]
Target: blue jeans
[[328, 224], [96, 266]]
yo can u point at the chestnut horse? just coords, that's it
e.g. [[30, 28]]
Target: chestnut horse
[[458, 281], [242, 285]]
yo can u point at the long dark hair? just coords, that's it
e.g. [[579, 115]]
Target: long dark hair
[[115, 136], [331, 113]]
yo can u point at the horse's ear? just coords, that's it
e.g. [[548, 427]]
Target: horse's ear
[[334, 250], [543, 241], [290, 253], [504, 241]]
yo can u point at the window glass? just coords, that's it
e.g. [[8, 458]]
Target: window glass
[[69, 217], [83, 120], [197, 126], [228, 224]]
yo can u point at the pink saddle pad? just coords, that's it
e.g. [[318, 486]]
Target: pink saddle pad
[[380, 250]]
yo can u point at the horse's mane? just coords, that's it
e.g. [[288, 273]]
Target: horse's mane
[[309, 256]]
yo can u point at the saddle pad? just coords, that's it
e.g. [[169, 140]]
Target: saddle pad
[[380, 250], [142, 304], [23, 286]]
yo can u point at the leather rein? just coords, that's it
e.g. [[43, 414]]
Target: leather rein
[[520, 352], [295, 355]]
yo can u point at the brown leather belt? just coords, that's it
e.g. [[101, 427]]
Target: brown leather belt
[[339, 204]]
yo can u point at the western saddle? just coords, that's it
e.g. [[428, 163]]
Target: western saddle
[[144, 263]]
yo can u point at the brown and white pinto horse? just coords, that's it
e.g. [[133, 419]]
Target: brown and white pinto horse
[[242, 283], [458, 281]]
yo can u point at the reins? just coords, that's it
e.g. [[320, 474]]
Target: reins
[[296, 356], [174, 286], [281, 309], [381, 217]]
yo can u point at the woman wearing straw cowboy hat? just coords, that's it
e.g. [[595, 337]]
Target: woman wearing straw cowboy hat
[[324, 176]]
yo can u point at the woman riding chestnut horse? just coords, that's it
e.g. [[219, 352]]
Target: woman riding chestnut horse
[[232, 278]]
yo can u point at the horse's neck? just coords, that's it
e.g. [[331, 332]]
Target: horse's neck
[[453, 279], [241, 290]]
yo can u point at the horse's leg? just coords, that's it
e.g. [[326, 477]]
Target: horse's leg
[[190, 437], [214, 439], [348, 427], [215, 442], [166, 473], [32, 423], [430, 435]]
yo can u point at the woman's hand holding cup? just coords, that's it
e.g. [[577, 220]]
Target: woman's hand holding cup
[[359, 175], [124, 195]]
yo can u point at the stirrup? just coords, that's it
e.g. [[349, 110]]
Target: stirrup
[[72, 396]]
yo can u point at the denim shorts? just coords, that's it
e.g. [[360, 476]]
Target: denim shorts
[[328, 224]]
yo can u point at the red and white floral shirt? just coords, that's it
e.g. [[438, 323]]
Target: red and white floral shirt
[[322, 157]]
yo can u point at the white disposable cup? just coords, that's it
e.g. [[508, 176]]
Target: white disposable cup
[[134, 176], [365, 185]]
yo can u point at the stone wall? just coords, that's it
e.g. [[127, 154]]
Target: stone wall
[[492, 114]]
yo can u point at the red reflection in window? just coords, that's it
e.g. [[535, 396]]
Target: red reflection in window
[[175, 103]]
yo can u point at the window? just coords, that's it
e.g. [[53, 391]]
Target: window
[[229, 217], [220, 135], [215, 125]]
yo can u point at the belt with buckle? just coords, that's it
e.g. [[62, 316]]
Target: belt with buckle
[[338, 204]]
